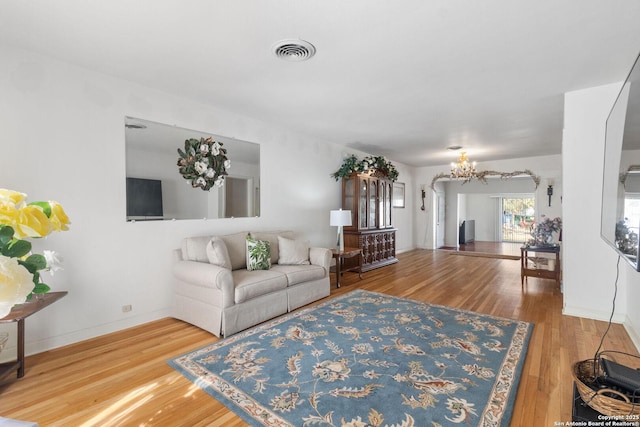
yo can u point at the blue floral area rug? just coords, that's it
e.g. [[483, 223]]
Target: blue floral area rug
[[367, 359]]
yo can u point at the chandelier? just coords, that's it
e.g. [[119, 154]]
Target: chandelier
[[463, 169]]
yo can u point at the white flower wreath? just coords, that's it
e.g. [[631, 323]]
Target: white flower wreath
[[203, 162]]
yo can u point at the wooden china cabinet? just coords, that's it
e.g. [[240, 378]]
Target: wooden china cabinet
[[369, 196]]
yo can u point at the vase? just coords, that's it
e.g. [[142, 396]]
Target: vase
[[543, 240]]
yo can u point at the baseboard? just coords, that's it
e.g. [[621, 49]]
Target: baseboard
[[633, 334], [34, 347], [399, 251], [602, 315]]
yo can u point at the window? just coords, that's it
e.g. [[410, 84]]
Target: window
[[518, 215]]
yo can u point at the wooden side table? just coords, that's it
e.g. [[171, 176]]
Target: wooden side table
[[528, 267], [18, 314], [340, 256]]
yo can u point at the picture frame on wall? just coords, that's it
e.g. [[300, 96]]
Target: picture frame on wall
[[398, 195]]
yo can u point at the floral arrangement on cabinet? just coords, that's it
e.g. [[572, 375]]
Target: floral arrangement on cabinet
[[20, 269], [368, 164], [542, 232]]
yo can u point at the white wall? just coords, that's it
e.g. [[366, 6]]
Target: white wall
[[62, 136], [483, 209], [459, 212], [589, 265], [546, 167], [402, 218], [457, 192]]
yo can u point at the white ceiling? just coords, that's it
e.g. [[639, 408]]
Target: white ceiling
[[401, 78]]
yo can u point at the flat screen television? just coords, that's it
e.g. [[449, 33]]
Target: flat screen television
[[620, 220], [144, 199]]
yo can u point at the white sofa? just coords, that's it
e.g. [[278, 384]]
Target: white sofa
[[219, 294]]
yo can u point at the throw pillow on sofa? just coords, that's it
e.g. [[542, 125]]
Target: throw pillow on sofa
[[237, 248], [293, 251], [272, 238], [217, 253], [258, 254]]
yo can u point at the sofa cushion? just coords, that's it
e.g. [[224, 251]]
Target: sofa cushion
[[252, 284], [300, 273], [217, 253], [258, 254], [195, 248], [272, 238], [237, 248], [293, 251]]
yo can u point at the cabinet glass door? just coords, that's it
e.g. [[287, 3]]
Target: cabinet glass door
[[348, 198], [373, 195], [382, 205], [387, 204], [362, 205]]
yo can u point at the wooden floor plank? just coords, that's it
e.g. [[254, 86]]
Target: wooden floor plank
[[122, 379]]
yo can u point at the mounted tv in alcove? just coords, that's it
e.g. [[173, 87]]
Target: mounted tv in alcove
[[620, 226], [144, 199]]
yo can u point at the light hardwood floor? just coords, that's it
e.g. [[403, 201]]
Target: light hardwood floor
[[122, 379]]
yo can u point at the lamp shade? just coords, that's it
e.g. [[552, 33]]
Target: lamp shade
[[340, 218]]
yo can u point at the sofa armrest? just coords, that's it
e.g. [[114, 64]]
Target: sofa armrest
[[321, 257], [206, 275]]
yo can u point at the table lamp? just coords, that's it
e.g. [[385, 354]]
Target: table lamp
[[340, 218]]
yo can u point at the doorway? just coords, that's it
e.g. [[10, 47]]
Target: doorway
[[440, 218], [516, 218], [237, 198]]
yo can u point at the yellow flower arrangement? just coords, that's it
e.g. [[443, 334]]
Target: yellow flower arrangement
[[19, 268]]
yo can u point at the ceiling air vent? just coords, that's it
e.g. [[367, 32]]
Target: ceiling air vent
[[294, 50]]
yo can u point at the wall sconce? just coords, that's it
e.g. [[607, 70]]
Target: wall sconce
[[423, 196], [550, 190]]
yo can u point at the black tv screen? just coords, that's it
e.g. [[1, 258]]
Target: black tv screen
[[144, 198]]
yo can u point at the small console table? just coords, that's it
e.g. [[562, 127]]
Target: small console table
[[530, 264], [340, 257], [18, 314]]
